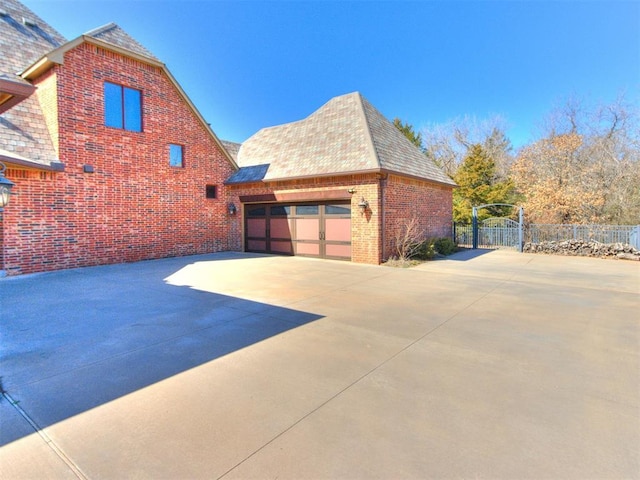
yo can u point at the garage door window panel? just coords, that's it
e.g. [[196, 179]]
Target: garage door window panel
[[337, 210], [307, 210]]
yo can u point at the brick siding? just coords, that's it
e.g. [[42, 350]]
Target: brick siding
[[371, 231], [134, 206], [407, 198]]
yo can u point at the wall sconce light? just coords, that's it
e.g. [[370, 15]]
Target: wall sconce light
[[231, 208], [363, 205], [5, 187], [351, 191]]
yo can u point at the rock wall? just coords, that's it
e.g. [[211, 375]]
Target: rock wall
[[584, 249]]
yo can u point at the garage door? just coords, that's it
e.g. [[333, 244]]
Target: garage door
[[313, 229]]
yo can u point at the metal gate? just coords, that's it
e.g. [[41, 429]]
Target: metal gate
[[498, 232], [493, 232]]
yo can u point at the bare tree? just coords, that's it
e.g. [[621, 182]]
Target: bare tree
[[585, 168], [407, 238], [449, 143]]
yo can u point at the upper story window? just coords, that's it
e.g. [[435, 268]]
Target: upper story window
[[122, 107], [175, 155]]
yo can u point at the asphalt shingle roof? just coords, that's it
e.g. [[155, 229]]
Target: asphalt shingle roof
[[23, 131], [21, 44], [232, 148], [113, 34], [250, 174], [24, 38], [346, 135]]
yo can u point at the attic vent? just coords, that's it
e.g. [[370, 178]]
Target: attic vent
[[28, 22]]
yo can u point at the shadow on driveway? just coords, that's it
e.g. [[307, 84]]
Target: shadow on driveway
[[467, 254], [73, 340]]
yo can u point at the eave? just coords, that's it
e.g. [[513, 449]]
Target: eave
[[11, 159], [381, 172], [13, 92]]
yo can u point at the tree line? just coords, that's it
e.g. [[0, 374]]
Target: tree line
[[583, 166]]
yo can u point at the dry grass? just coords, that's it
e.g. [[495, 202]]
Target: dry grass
[[399, 263]]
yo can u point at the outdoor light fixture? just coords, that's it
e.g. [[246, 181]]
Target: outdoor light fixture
[[363, 205], [231, 208], [5, 187]]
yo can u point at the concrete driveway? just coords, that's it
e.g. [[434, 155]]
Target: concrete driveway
[[490, 365]]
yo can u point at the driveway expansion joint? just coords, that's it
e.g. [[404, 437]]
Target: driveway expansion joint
[[362, 377], [45, 438]]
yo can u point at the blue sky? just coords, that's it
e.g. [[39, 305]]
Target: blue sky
[[248, 65]]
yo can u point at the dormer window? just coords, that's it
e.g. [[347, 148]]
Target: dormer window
[[122, 107]]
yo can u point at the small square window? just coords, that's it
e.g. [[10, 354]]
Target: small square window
[[175, 155], [211, 191]]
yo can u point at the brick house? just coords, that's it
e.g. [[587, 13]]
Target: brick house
[[113, 163]]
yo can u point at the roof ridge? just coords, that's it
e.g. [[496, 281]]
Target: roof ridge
[[101, 29], [114, 34], [371, 143]]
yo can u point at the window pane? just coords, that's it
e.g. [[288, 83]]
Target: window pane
[[132, 110], [336, 210], [257, 212], [211, 191], [112, 105], [307, 210], [175, 155], [280, 210]]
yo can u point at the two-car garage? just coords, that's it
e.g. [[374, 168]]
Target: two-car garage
[[308, 229]]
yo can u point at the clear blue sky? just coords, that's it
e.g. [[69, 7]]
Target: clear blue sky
[[248, 65]]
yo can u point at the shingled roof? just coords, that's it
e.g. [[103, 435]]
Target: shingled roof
[[113, 34], [24, 38], [232, 148], [346, 135]]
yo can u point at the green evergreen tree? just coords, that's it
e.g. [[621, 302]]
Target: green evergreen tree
[[409, 132], [479, 184]]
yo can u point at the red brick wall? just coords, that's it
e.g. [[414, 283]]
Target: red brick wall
[[372, 232], [365, 228], [429, 203], [135, 206]]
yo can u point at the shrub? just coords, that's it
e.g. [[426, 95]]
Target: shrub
[[426, 250], [444, 246], [407, 238]]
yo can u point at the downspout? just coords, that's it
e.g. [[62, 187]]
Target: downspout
[[383, 181]]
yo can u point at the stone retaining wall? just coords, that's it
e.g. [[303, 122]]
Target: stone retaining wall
[[584, 249]]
